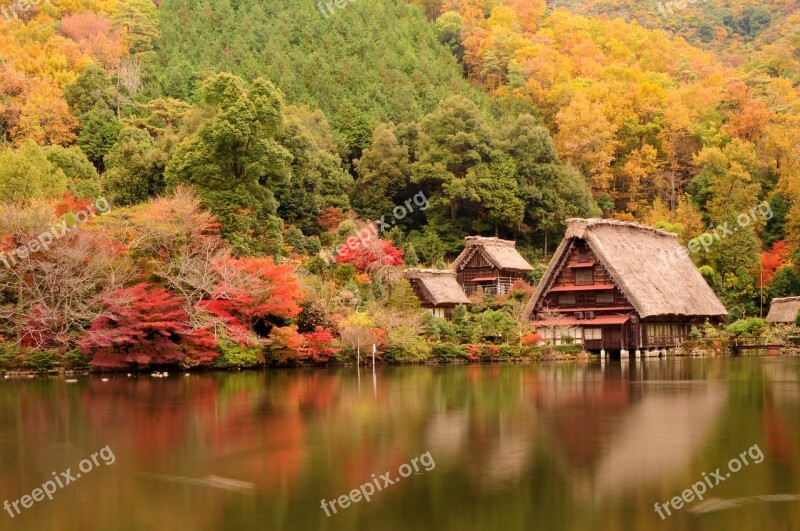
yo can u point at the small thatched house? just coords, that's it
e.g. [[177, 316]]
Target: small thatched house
[[616, 286], [490, 263], [784, 310], [437, 289]]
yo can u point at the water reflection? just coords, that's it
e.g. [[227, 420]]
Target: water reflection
[[550, 446]]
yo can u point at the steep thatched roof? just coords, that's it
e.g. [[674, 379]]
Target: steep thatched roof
[[500, 253], [438, 285], [648, 265], [784, 310]]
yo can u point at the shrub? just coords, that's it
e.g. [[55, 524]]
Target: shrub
[[571, 349], [448, 351], [73, 360], [694, 333], [234, 355], [40, 360], [510, 351], [413, 350], [747, 327]]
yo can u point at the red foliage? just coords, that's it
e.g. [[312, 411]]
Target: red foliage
[[252, 290], [330, 218], [70, 203], [531, 338], [369, 254], [321, 344], [290, 345], [773, 260], [143, 325]]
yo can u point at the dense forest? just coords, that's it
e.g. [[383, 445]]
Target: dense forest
[[174, 174]]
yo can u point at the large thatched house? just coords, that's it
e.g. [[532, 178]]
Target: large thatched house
[[491, 264], [784, 310], [621, 286], [437, 289]]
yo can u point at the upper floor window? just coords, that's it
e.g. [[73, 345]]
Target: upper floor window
[[566, 299], [604, 297], [583, 252], [584, 276]]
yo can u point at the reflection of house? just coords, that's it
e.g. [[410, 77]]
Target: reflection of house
[[489, 263], [609, 287], [613, 438], [784, 310], [437, 289]]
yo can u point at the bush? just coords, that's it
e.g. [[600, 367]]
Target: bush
[[412, 350], [510, 351], [747, 327], [571, 349], [448, 351], [40, 361], [73, 360], [234, 355], [9, 356], [694, 333]]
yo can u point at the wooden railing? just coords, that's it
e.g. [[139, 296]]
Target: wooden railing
[[498, 287]]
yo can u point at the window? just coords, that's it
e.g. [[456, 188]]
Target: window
[[592, 334], [604, 297], [584, 277], [583, 253], [566, 299]]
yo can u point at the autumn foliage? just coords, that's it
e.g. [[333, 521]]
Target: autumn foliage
[[143, 325], [370, 254]]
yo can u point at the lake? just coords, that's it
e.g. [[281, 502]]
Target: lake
[[551, 446]]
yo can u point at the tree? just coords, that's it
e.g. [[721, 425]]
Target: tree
[[26, 173], [134, 168], [92, 89], [99, 131], [145, 325], [253, 295], [383, 174], [233, 160], [358, 330], [453, 139], [370, 254]]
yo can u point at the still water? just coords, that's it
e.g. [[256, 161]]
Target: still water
[[559, 446]]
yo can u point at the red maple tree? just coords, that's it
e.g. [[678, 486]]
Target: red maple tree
[[252, 292], [370, 254], [146, 325]]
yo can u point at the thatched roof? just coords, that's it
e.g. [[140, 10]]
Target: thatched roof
[[438, 285], [648, 265], [500, 253], [784, 310]]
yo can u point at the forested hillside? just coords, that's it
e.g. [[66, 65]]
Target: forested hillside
[[275, 130]]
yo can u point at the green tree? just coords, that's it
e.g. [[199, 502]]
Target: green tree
[[92, 89], [99, 131], [453, 139], [82, 178], [383, 174], [134, 168], [233, 160], [26, 173]]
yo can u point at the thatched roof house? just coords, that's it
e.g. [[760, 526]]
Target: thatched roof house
[[437, 289], [491, 264], [616, 285], [784, 310]]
